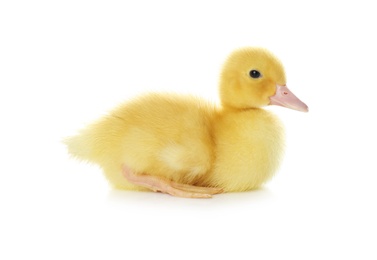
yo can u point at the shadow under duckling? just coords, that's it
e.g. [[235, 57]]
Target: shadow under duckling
[[188, 147]]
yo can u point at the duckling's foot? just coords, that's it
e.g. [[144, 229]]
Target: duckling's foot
[[166, 186]]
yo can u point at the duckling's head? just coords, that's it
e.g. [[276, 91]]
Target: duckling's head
[[254, 77]]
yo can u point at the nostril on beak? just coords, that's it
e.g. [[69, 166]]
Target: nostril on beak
[[285, 93]]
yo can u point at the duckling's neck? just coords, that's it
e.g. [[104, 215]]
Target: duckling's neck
[[230, 109], [229, 116]]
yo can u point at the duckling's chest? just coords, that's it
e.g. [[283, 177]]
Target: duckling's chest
[[249, 146]]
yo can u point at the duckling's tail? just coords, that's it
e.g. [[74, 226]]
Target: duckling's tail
[[82, 146], [98, 142]]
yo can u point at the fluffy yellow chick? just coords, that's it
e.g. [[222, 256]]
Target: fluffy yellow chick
[[187, 147]]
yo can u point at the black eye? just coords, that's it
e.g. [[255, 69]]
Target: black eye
[[255, 74]]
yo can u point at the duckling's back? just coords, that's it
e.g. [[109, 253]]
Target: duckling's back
[[162, 135]]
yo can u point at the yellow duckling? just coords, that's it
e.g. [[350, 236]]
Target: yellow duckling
[[187, 147]]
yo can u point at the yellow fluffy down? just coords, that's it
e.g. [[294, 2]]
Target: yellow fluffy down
[[163, 135], [188, 140]]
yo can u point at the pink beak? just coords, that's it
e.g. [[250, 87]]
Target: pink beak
[[285, 98]]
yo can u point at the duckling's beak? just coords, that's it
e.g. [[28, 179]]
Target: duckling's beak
[[285, 98]]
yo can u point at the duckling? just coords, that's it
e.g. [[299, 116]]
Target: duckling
[[188, 147]]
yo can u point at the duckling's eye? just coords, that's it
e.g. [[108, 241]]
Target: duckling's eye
[[255, 74]]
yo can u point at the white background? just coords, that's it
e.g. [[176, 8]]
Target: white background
[[65, 63]]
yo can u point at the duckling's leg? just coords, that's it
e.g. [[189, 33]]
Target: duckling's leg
[[166, 186]]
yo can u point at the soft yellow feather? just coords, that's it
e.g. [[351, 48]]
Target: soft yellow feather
[[160, 134]]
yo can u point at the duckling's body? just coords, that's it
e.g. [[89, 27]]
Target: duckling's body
[[185, 146]]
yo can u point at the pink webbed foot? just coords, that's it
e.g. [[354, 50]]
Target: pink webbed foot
[[166, 186]]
